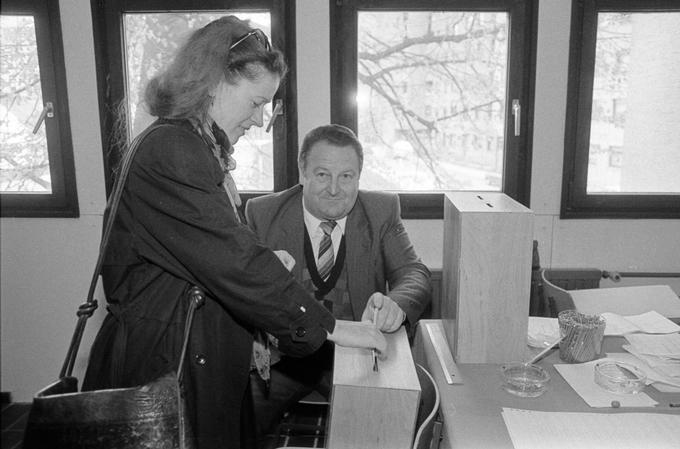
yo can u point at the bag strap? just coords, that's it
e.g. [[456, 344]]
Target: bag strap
[[86, 309]]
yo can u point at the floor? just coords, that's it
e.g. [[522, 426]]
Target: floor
[[13, 422]]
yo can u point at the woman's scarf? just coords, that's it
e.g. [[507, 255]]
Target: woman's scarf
[[222, 150]]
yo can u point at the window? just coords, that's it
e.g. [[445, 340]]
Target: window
[[142, 35], [439, 93], [37, 176], [622, 140]]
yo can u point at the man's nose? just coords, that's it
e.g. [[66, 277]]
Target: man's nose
[[334, 187]]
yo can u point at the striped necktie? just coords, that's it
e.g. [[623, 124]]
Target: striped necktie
[[326, 255]]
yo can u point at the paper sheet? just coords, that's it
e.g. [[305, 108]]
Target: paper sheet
[[659, 345], [581, 377], [558, 430], [542, 331], [649, 322]]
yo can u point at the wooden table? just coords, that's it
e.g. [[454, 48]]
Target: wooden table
[[471, 412]]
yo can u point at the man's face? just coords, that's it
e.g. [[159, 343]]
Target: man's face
[[330, 180]]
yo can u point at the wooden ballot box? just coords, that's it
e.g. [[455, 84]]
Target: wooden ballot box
[[486, 276], [369, 409]]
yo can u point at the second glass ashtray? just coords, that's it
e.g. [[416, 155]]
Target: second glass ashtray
[[619, 377], [524, 379]]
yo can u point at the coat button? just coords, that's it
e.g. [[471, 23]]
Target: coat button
[[300, 332], [200, 359]]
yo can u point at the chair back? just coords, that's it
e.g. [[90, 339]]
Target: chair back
[[557, 282], [427, 411], [556, 298]]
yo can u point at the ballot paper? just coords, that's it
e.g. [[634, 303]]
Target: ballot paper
[[542, 332], [649, 322], [581, 377], [529, 429]]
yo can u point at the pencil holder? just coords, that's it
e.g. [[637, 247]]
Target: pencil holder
[[581, 336]]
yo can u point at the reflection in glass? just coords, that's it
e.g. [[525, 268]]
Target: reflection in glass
[[24, 162], [431, 99], [150, 41]]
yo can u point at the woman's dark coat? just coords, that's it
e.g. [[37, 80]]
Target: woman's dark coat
[[176, 227]]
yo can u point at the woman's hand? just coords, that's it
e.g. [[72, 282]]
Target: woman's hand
[[358, 335]]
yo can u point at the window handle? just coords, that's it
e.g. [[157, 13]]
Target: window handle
[[48, 111], [517, 112], [278, 110]]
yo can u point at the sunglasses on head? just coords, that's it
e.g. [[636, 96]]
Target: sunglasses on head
[[259, 35]]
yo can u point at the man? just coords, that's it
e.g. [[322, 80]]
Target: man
[[348, 247]]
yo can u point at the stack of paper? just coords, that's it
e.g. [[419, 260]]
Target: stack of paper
[[542, 331], [661, 353], [649, 323]]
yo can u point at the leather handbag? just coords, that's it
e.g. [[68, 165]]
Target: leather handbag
[[150, 416]]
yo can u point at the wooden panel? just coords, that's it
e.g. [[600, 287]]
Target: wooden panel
[[486, 276], [371, 409]]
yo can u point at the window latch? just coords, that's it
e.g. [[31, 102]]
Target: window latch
[[517, 112], [48, 111], [278, 110]]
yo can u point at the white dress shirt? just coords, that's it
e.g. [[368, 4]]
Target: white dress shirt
[[313, 226]]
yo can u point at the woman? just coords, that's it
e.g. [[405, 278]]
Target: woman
[[178, 225]]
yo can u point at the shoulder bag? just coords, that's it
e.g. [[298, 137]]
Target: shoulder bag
[[150, 416]]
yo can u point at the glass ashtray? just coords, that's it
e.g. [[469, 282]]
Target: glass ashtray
[[619, 377], [524, 379]]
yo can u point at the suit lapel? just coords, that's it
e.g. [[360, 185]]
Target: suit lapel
[[358, 258]]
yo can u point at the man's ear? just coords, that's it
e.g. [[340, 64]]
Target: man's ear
[[301, 173]]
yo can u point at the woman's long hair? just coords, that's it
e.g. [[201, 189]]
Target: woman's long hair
[[184, 89]]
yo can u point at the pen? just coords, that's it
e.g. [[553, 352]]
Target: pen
[[375, 354], [674, 404], [275, 113], [540, 355]]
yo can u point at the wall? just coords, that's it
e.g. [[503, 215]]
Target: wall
[[622, 245], [46, 263]]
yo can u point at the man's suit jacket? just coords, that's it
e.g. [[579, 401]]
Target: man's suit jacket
[[378, 251]]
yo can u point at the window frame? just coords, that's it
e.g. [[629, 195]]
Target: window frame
[[63, 201], [575, 201], [108, 29], [520, 82]]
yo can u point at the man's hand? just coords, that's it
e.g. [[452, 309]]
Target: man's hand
[[358, 335], [286, 259], [389, 318]]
